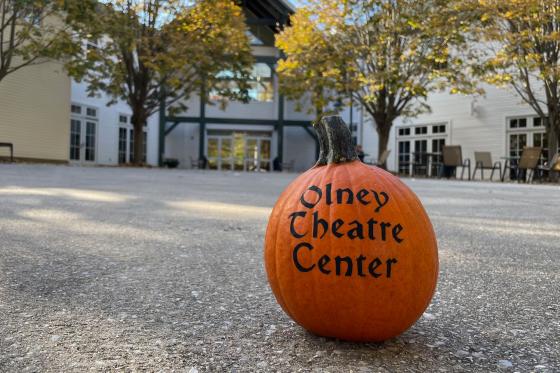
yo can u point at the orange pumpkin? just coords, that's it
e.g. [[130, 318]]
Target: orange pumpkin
[[349, 251]]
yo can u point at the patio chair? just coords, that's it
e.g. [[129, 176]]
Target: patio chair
[[453, 158], [483, 161], [527, 163], [553, 166], [199, 163]]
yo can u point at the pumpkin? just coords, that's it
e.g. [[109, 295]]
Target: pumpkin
[[349, 250]]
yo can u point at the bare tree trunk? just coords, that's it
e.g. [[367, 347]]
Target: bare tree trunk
[[553, 137], [383, 130], [138, 122]]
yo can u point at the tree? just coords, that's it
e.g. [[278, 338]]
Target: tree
[[36, 31], [152, 50], [522, 50], [387, 55]]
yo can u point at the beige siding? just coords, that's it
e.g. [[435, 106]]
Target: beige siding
[[35, 112]]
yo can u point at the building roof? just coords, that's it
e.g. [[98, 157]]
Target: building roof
[[278, 11]]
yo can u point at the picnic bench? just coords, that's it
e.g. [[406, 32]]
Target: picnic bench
[[10, 146]]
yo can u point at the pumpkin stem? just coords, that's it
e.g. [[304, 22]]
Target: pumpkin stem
[[323, 143], [335, 141]]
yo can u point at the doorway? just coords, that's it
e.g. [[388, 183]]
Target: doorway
[[220, 152], [228, 150], [83, 140], [257, 153]]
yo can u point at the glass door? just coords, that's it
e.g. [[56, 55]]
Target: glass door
[[75, 139], [257, 153], [420, 157], [226, 153], [251, 154], [264, 154], [220, 152], [404, 157], [83, 140]]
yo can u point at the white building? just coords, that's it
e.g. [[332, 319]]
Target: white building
[[499, 123], [268, 130], [252, 136]]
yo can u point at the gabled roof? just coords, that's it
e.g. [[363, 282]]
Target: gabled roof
[[275, 11]]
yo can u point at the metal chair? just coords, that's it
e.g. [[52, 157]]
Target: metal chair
[[553, 166], [453, 158], [483, 160], [528, 163]]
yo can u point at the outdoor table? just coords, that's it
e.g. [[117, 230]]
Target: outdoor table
[[429, 160], [507, 165]]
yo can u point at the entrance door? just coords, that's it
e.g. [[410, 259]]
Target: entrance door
[[257, 153], [220, 152], [83, 139], [404, 157]]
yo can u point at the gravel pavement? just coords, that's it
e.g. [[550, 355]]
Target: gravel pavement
[[115, 269]]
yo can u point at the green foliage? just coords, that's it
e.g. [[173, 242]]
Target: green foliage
[[145, 45], [522, 49], [385, 54], [34, 31]]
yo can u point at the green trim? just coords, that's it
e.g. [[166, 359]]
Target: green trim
[[270, 60], [202, 123], [162, 123], [280, 129], [170, 129], [251, 121]]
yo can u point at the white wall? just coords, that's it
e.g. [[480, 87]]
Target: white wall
[[483, 129], [108, 125]]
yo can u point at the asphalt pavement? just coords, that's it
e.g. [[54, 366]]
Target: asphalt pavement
[[122, 269]]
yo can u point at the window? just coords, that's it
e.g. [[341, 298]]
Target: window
[[538, 122], [90, 141], [122, 145], [540, 139], [440, 128], [91, 112], [75, 135], [253, 39], [83, 133], [419, 152], [123, 119], [261, 87], [404, 157], [518, 123], [404, 131]]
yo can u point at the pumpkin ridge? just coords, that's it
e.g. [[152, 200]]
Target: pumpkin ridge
[[292, 189], [400, 186], [364, 286]]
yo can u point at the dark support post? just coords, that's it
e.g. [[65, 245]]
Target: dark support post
[[314, 135], [351, 114], [202, 127], [280, 130], [162, 123]]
